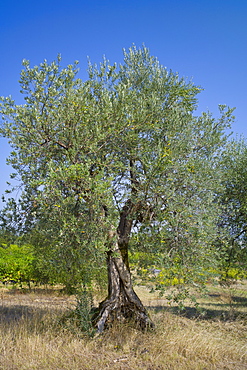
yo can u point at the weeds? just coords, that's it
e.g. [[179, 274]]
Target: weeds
[[79, 318]]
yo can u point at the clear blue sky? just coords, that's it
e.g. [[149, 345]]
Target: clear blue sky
[[204, 40]]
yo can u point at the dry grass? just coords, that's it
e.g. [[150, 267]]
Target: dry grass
[[31, 338]]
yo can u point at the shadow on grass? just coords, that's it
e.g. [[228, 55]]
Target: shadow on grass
[[17, 312], [215, 308], [35, 319], [223, 311], [236, 300], [227, 314], [42, 291]]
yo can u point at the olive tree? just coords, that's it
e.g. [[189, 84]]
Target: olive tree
[[233, 216], [117, 159]]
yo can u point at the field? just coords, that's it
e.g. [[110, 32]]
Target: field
[[33, 338]]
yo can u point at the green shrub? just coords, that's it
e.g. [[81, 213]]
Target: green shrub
[[16, 263]]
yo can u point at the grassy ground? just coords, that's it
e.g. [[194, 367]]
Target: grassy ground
[[31, 338]]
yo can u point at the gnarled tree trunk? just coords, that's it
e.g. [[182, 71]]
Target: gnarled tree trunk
[[122, 302]]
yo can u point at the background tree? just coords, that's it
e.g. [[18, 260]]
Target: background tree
[[118, 159], [233, 220]]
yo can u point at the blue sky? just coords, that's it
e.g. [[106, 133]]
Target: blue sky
[[203, 40]]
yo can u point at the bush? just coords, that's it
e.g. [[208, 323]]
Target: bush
[[16, 263]]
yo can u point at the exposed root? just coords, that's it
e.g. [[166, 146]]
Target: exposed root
[[116, 310]]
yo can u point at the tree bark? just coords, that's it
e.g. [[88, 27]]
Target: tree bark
[[122, 302]]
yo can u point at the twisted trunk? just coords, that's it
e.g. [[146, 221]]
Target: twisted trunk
[[122, 302]]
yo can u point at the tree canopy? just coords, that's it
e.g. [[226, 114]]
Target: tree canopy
[[118, 161]]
